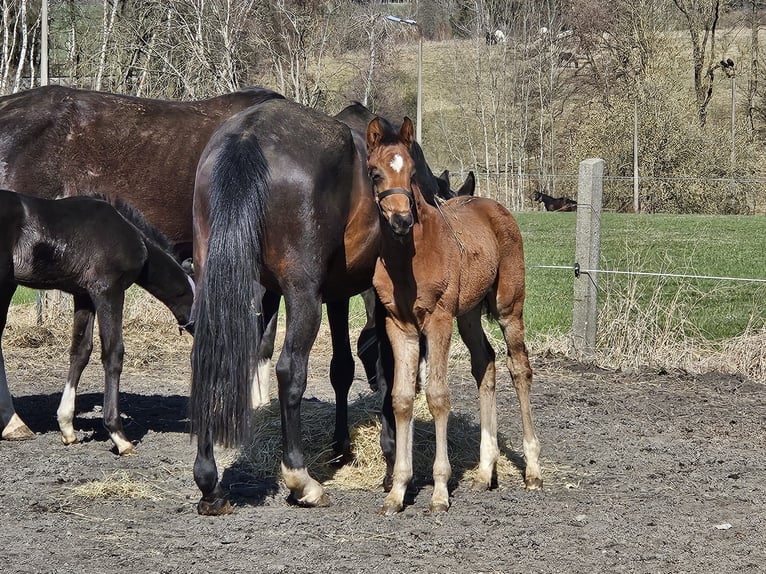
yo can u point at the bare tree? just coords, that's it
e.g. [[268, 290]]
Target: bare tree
[[702, 19]]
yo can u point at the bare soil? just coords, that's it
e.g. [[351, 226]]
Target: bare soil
[[645, 472]]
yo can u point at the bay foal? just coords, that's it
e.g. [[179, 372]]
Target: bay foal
[[436, 264]]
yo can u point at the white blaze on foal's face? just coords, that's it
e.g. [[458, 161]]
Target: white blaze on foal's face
[[397, 163]]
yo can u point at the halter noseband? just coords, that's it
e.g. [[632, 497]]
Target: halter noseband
[[394, 191]]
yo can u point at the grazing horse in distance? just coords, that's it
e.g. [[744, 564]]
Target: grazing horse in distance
[[86, 247], [59, 141], [556, 203], [435, 264]]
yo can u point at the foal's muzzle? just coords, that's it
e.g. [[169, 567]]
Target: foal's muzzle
[[401, 222]]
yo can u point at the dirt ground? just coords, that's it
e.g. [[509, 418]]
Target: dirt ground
[[644, 472]]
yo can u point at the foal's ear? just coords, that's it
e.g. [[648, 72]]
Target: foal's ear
[[406, 133], [374, 134]]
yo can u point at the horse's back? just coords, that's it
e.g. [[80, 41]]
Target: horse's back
[[490, 244], [59, 141], [314, 186]]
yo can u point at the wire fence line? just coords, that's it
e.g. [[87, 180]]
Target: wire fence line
[[576, 269]]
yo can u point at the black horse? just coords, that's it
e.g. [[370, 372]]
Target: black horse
[[556, 203], [282, 204], [84, 246]]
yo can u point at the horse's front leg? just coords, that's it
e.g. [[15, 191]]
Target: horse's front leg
[[304, 314], [341, 376], [12, 425], [109, 308], [437, 393], [405, 343], [79, 355]]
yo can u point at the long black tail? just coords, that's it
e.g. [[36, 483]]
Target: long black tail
[[228, 303]]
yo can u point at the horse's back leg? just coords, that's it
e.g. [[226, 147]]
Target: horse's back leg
[[483, 371], [510, 303], [79, 355], [367, 344], [261, 390], [385, 380], [341, 376], [213, 501], [13, 428], [304, 315], [437, 394], [109, 307]]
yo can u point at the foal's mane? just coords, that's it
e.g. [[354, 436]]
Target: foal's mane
[[138, 219]]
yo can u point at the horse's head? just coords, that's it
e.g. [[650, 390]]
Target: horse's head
[[538, 196], [392, 172]]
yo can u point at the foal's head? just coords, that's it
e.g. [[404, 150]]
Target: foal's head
[[392, 172]]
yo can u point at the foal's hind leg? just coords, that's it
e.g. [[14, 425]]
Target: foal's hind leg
[[512, 323], [79, 355], [109, 310], [13, 428], [483, 371]]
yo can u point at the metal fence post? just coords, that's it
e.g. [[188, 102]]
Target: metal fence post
[[587, 250]]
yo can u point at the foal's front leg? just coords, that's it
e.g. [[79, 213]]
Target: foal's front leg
[[79, 355], [405, 343]]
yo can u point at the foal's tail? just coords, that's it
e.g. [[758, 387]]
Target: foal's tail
[[227, 330]]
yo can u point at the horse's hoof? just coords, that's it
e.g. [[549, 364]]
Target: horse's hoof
[[322, 502], [128, 451], [480, 486], [216, 507], [438, 507], [535, 483], [391, 508], [19, 433]]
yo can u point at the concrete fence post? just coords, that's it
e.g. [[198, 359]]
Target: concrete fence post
[[587, 250]]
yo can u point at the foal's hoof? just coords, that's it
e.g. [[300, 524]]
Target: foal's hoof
[[215, 507], [534, 483]]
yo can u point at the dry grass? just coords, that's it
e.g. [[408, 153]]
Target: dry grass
[[118, 485]]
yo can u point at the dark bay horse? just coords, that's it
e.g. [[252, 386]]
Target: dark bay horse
[[60, 141], [556, 203], [438, 263], [282, 203], [85, 247]]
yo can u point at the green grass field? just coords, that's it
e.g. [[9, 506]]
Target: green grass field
[[722, 246], [725, 246]]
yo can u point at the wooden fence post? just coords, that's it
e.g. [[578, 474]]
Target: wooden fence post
[[587, 250]]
